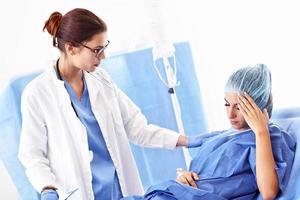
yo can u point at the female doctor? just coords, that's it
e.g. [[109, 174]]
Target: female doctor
[[76, 124]]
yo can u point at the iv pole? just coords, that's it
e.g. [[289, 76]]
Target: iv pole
[[164, 49]]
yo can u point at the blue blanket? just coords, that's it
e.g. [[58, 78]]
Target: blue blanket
[[226, 164]]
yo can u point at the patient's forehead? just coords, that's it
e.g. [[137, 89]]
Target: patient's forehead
[[231, 97]]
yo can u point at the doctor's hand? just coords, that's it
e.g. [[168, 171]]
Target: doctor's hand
[[256, 119], [188, 178], [49, 194]]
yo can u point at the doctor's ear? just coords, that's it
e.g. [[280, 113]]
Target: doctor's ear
[[70, 48]]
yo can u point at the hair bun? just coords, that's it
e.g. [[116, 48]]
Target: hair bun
[[52, 24]]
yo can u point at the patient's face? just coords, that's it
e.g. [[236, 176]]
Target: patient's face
[[234, 114]]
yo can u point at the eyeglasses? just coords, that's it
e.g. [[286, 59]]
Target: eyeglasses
[[97, 50]]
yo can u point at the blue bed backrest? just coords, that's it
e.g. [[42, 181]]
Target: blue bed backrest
[[289, 120], [10, 127]]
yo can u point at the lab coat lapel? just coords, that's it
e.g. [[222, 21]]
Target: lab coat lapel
[[98, 101], [62, 96], [64, 103]]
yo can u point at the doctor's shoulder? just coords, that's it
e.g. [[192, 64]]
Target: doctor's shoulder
[[37, 85]]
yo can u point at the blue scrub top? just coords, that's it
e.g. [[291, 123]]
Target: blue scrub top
[[105, 180]]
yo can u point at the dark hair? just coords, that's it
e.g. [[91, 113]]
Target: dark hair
[[76, 26]]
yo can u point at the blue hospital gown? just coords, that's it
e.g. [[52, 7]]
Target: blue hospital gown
[[225, 163]]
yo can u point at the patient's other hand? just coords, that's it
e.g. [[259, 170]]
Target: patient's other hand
[[188, 178]]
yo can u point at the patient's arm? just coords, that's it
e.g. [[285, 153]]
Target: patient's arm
[[266, 175], [188, 178], [267, 180]]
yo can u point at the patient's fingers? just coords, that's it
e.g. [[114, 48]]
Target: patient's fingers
[[191, 180], [265, 112], [195, 176], [181, 179], [187, 178]]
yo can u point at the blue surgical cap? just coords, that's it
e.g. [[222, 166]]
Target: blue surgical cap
[[255, 81]]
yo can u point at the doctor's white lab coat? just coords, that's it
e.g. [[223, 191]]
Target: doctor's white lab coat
[[54, 146]]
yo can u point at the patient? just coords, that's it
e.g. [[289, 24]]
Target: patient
[[253, 157]]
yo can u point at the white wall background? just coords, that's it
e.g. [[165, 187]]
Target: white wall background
[[225, 35]]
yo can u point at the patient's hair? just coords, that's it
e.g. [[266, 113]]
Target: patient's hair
[[255, 81]]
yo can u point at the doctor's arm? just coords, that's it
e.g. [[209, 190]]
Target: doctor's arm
[[33, 145], [257, 120], [140, 132]]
